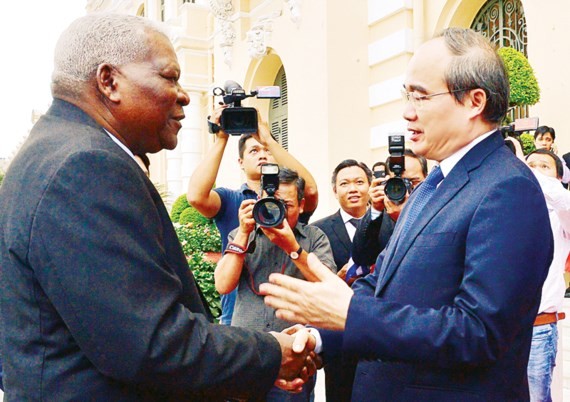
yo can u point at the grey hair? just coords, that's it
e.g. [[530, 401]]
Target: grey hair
[[99, 38], [476, 65]]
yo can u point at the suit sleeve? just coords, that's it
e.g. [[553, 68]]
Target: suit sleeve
[[503, 272], [98, 245]]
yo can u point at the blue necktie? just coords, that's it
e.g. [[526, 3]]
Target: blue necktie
[[425, 192]]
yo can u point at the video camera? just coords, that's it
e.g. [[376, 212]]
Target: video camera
[[238, 120], [269, 211], [397, 187], [519, 126]]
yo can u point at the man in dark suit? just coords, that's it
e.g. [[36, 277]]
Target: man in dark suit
[[448, 314], [350, 183], [97, 301]]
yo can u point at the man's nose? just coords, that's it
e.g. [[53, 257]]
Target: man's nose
[[183, 97], [409, 112]]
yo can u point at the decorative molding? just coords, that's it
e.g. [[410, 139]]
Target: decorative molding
[[259, 36], [385, 92], [379, 10], [294, 9], [392, 45], [222, 11]]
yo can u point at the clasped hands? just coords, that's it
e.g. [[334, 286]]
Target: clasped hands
[[298, 360], [323, 304]]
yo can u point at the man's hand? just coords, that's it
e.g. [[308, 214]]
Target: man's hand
[[263, 135], [245, 216], [323, 304], [394, 209], [376, 193], [297, 359], [282, 236], [215, 118]]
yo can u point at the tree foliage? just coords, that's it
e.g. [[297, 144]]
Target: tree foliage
[[523, 83], [527, 143]]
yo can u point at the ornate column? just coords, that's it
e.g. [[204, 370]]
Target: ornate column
[[222, 11]]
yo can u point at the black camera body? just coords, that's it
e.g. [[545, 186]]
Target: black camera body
[[269, 211], [238, 120], [396, 188]]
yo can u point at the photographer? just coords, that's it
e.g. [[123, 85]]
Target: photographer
[[377, 225], [223, 204], [253, 254]]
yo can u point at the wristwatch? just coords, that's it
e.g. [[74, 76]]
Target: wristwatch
[[295, 254]]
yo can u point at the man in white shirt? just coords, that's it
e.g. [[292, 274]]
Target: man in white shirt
[[548, 170]]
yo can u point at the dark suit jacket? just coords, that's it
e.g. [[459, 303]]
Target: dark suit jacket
[[97, 301], [371, 237], [334, 228], [339, 370], [448, 313]]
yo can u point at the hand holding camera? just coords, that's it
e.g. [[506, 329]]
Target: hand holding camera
[[376, 193], [245, 215]]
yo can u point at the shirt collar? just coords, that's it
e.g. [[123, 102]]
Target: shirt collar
[[346, 216], [449, 163], [120, 144], [245, 189]]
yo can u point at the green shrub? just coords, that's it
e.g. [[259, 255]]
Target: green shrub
[[204, 273], [178, 206], [523, 83], [527, 143], [198, 238], [191, 215]]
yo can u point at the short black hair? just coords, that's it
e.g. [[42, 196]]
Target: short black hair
[[290, 176], [557, 161], [412, 154], [241, 143], [383, 164], [349, 163], [540, 131]]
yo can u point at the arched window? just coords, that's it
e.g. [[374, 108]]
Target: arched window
[[503, 22], [278, 112]]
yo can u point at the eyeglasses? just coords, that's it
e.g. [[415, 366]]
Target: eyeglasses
[[416, 99]]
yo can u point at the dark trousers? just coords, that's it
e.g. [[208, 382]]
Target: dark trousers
[[339, 377]]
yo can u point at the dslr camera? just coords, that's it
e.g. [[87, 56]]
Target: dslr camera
[[238, 120], [269, 211], [396, 188]]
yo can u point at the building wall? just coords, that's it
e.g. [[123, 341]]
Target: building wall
[[345, 64]]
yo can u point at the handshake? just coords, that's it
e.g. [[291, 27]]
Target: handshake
[[298, 360]]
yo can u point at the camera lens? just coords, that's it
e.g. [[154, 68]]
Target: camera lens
[[269, 212], [395, 189]]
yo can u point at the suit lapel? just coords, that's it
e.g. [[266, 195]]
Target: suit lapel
[[339, 229], [447, 190]]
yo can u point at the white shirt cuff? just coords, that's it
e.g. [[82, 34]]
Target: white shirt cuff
[[318, 340]]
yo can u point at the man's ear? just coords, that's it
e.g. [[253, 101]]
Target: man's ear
[[477, 101], [106, 77], [302, 205]]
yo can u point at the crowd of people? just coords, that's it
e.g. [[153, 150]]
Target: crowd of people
[[439, 293]]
